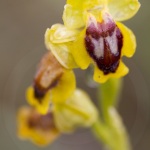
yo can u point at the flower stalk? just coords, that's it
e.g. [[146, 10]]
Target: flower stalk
[[111, 124]]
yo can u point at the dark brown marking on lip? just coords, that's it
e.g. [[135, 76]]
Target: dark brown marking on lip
[[109, 61], [44, 122], [47, 77], [39, 93]]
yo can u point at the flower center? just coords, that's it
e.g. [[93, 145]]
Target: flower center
[[104, 42], [44, 122]]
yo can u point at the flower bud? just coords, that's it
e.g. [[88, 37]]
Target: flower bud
[[78, 111]]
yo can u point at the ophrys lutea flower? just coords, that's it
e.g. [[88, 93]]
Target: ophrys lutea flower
[[52, 83], [77, 111], [40, 129], [93, 35]]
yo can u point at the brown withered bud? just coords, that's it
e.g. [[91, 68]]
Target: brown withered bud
[[43, 122], [104, 42], [47, 76]]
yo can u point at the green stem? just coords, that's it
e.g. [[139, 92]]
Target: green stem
[[108, 94], [101, 132], [111, 130], [113, 136]]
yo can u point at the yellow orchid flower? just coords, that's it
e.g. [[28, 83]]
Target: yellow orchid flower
[[40, 129], [103, 42], [77, 111], [52, 83], [93, 35]]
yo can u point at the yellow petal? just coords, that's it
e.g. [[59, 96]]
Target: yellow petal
[[43, 106], [100, 77], [123, 9], [129, 40], [63, 55], [59, 40], [79, 52], [65, 87]]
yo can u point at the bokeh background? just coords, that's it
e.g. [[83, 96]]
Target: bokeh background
[[22, 27]]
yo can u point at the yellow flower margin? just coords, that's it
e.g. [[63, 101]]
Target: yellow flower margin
[[38, 136], [58, 94], [67, 41]]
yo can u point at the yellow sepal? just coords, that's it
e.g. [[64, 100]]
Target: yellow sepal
[[86, 4], [123, 9], [73, 18], [78, 111], [59, 40]]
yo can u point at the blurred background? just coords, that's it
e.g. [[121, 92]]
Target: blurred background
[[22, 27]]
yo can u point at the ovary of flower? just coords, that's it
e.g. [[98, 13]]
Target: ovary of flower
[[52, 83], [100, 40], [40, 129]]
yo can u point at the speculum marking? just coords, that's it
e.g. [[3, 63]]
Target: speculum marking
[[103, 43]]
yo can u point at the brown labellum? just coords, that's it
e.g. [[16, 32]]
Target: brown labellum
[[44, 122], [103, 43], [48, 74]]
